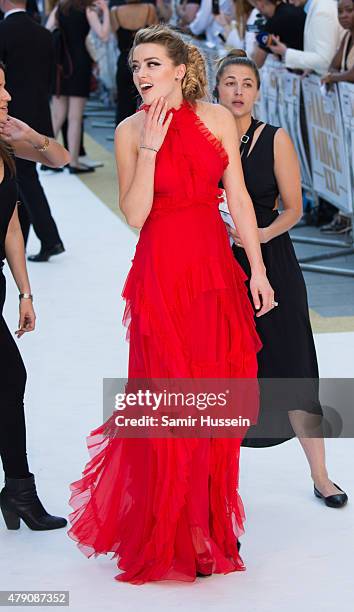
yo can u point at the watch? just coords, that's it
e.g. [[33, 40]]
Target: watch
[[26, 296]]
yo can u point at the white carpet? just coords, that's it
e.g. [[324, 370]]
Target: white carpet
[[299, 554]]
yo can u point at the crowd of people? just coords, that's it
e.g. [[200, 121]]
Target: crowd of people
[[170, 509], [305, 35]]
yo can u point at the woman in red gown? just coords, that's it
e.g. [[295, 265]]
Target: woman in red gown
[[169, 508]]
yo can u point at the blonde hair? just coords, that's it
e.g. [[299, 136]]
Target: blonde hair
[[194, 82]]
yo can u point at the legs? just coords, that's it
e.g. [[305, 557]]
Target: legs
[[314, 448], [76, 110], [12, 418], [59, 108], [36, 204], [69, 111]]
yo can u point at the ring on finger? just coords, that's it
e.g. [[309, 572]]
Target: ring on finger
[[161, 119], [274, 303]]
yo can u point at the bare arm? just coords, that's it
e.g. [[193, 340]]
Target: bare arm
[[242, 212], [337, 60], [164, 10], [337, 77], [135, 165], [15, 256], [259, 56], [25, 143], [52, 20], [102, 29], [286, 164]]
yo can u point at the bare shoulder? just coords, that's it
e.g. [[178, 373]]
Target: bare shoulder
[[218, 118], [282, 141], [128, 131]]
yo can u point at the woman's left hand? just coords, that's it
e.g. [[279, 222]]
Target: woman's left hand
[[14, 130], [27, 317], [262, 235], [262, 293]]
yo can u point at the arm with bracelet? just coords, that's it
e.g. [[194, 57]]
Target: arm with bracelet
[[137, 142], [29, 144]]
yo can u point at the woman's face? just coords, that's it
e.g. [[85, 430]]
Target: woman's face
[[4, 97], [238, 89], [154, 73], [346, 14]]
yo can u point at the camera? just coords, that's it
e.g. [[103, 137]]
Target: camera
[[258, 25]]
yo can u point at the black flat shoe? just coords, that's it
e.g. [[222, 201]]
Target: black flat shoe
[[200, 575], [48, 168], [332, 501], [45, 253], [19, 500], [78, 170]]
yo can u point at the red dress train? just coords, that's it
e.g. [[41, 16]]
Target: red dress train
[[168, 508]]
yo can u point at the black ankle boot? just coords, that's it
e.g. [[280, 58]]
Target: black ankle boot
[[19, 500]]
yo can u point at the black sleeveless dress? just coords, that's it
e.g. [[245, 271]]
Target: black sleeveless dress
[[127, 94], [75, 79], [288, 347]]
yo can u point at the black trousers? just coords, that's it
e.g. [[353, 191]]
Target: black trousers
[[35, 208], [12, 388]]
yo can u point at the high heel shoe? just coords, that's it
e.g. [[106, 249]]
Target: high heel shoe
[[332, 501], [19, 500], [201, 575]]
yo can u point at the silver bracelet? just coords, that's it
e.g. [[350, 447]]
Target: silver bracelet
[[149, 148], [26, 296]]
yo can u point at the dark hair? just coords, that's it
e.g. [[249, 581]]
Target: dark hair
[[194, 82], [78, 5], [6, 152], [235, 57]]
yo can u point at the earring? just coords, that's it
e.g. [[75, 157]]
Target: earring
[[176, 78]]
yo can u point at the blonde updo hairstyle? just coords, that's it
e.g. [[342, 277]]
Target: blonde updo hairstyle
[[194, 82], [235, 57]]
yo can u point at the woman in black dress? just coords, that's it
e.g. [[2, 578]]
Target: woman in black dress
[[126, 20], [18, 499], [73, 19], [271, 169]]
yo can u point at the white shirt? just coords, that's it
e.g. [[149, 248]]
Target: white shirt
[[322, 35], [14, 11], [204, 21]]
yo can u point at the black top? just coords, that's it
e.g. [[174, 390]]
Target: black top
[[125, 39], [288, 22], [8, 199], [27, 51], [262, 184], [76, 76]]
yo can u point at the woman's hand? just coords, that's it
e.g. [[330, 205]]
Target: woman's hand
[[27, 317], [262, 235], [14, 130], [327, 79], [262, 293], [101, 5], [155, 127]]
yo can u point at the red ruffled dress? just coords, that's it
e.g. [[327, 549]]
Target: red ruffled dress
[[168, 508]]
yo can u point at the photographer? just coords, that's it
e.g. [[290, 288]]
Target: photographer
[[322, 35], [211, 20], [283, 20]]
